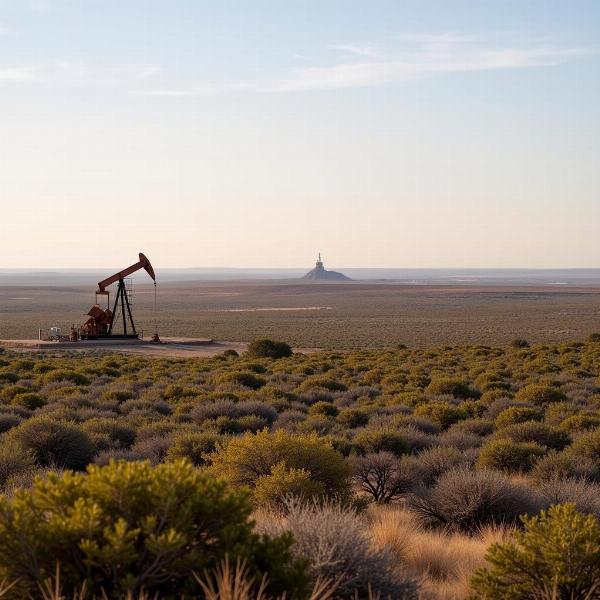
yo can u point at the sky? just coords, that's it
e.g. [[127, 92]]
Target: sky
[[400, 133]]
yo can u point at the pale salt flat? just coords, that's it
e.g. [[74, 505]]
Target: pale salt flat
[[278, 309]]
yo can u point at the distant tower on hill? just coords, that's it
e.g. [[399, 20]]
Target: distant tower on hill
[[319, 264], [320, 273]]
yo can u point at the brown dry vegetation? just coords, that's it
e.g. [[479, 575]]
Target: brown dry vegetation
[[361, 314]]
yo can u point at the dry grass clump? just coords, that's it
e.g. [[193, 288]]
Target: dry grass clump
[[441, 561], [337, 541]]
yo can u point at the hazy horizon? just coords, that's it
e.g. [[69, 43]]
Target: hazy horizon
[[429, 133], [407, 276]]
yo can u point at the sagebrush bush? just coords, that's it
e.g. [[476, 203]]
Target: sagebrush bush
[[14, 460], [266, 348], [326, 409], [380, 440], [335, 540], [442, 413], [539, 394], [581, 422], [538, 433], [583, 494], [241, 461], [434, 462], [564, 465], [194, 446], [447, 385], [480, 427], [587, 447], [518, 414], [557, 555], [508, 455], [467, 500], [244, 379], [352, 418], [54, 443]]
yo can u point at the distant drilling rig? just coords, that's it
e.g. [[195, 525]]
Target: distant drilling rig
[[103, 322]]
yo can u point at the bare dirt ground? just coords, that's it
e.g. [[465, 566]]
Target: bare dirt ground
[[169, 347], [331, 315]]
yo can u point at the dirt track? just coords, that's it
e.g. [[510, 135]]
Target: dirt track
[[171, 347]]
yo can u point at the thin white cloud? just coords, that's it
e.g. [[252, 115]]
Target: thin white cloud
[[72, 72], [357, 50], [16, 74], [372, 73], [439, 38], [418, 55]]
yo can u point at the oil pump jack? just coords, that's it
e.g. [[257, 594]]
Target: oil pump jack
[[102, 320]]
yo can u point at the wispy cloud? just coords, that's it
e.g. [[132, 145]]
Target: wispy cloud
[[73, 72], [357, 50], [17, 74], [407, 56], [372, 73]]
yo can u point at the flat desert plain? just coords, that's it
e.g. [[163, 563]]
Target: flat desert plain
[[331, 315]]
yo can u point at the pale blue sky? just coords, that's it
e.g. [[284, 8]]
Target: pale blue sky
[[252, 133]]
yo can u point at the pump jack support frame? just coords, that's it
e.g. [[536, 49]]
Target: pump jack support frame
[[126, 315]]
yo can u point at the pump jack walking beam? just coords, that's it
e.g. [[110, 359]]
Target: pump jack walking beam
[[143, 263]]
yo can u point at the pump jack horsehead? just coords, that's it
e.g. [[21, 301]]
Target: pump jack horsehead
[[101, 321]]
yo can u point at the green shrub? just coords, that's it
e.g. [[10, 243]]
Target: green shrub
[[241, 461], [380, 440], [519, 343], [66, 375], [268, 349], [244, 378], [447, 385], [29, 400], [128, 526], [518, 414], [588, 446], [557, 555], [54, 443], [194, 446], [481, 427], [538, 433], [580, 422], [274, 489], [326, 409], [8, 377], [506, 455], [14, 460], [117, 434], [118, 395], [352, 418], [539, 394], [318, 381], [489, 396], [442, 413]]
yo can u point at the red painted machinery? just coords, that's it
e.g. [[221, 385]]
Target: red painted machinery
[[102, 320]]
